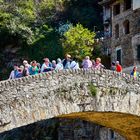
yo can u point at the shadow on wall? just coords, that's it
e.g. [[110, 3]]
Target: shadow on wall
[[61, 129]]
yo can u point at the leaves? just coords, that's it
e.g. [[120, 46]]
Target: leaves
[[78, 41]]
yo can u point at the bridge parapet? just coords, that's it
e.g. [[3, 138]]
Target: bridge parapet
[[97, 76], [46, 95]]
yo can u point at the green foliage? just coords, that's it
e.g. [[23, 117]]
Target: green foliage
[[85, 12], [78, 41], [45, 44], [92, 89], [31, 26], [16, 17]]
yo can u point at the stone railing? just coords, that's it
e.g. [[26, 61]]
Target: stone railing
[[106, 74], [46, 95]]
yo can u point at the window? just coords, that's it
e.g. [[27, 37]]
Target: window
[[138, 52], [116, 9], [117, 31], [119, 55], [127, 4], [126, 27]]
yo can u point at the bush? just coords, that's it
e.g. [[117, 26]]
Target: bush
[[93, 89], [78, 41]]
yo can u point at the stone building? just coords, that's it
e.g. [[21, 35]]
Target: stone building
[[122, 30]]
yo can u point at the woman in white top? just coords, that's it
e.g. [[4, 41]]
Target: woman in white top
[[59, 65], [74, 64], [46, 66]]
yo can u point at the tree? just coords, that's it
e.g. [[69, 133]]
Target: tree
[[85, 12], [78, 41]]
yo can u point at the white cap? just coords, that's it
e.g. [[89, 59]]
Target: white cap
[[117, 62], [25, 62]]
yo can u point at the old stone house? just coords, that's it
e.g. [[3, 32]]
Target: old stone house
[[122, 30]]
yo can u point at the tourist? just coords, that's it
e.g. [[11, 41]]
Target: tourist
[[59, 65], [87, 63], [53, 64], [25, 62], [74, 64], [14, 72], [66, 62], [93, 63], [39, 67], [26, 70], [98, 64], [33, 69], [46, 65], [20, 72], [134, 72], [118, 67], [113, 66]]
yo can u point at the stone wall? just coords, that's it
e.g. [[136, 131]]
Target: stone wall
[[34, 98], [124, 42]]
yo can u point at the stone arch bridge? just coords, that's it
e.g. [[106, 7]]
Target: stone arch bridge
[[34, 98]]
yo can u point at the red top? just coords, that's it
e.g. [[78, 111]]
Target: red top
[[118, 68]]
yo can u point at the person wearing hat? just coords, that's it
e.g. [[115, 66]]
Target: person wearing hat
[[67, 61], [118, 67], [25, 63]]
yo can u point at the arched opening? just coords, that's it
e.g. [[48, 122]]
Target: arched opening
[[117, 31], [126, 27], [79, 126]]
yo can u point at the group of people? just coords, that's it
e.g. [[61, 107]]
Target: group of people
[[68, 63], [117, 67]]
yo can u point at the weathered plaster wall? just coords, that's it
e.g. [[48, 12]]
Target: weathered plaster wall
[[34, 98]]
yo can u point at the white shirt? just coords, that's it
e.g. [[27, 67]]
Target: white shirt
[[74, 65], [44, 66], [59, 66], [12, 75]]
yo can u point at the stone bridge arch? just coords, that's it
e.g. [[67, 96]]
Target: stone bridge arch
[[35, 98]]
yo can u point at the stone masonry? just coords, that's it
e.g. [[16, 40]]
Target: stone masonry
[[129, 42], [34, 98]]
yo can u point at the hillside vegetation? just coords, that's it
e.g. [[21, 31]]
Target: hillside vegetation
[[33, 29]]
